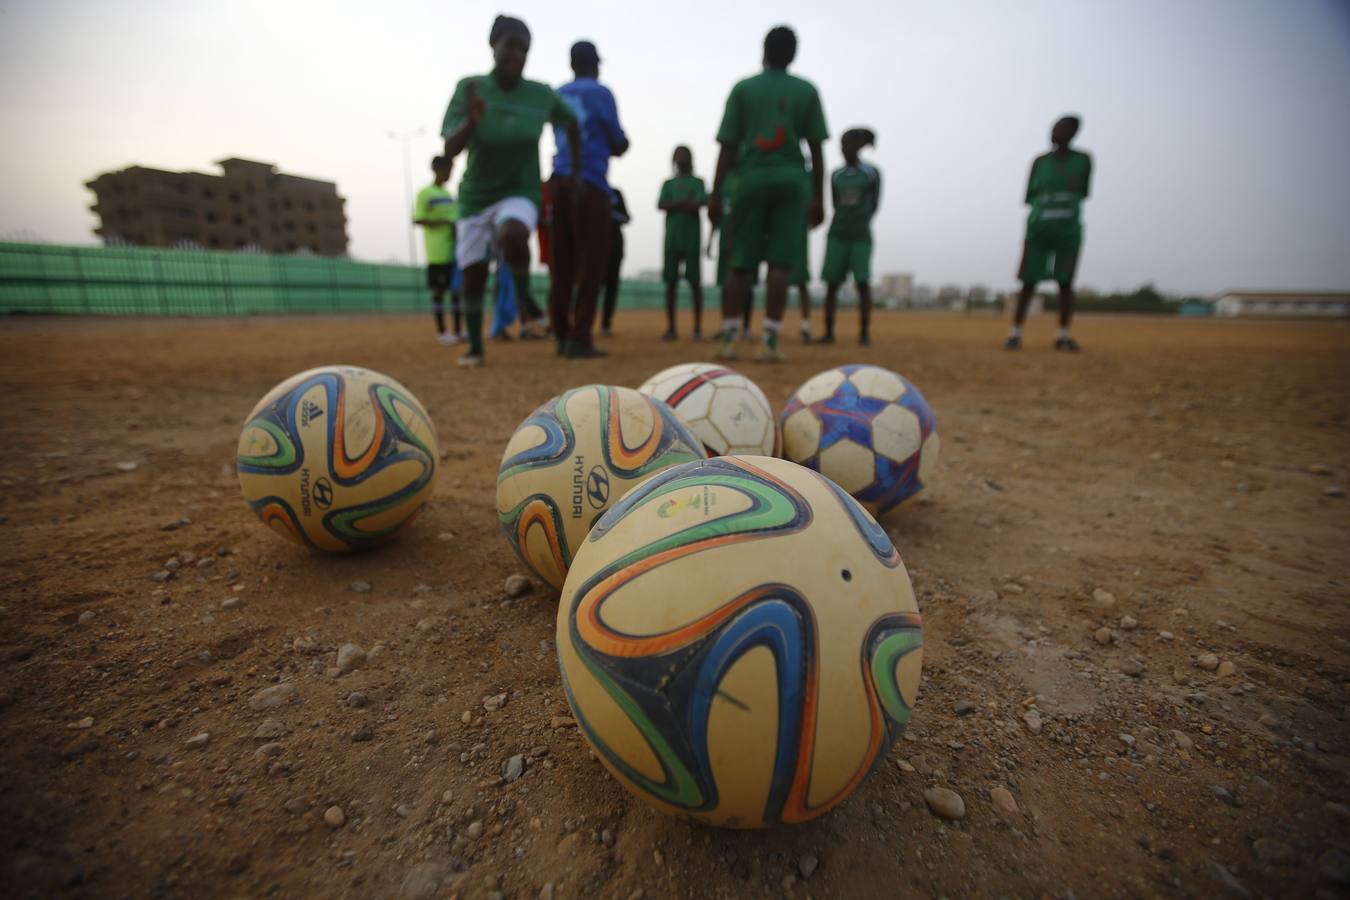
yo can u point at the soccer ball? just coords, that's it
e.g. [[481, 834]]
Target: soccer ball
[[739, 642], [865, 428], [727, 411], [339, 458], [572, 459]]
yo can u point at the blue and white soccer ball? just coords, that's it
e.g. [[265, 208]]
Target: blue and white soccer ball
[[866, 429]]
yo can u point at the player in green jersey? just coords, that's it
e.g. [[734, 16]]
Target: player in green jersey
[[499, 118], [855, 189], [436, 211], [1059, 183], [767, 117], [682, 198]]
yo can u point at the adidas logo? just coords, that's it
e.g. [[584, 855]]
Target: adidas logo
[[309, 410]]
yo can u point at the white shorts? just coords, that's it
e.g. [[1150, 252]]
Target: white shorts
[[474, 234]]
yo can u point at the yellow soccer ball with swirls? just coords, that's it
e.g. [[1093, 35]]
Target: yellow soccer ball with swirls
[[572, 459], [338, 458], [740, 642]]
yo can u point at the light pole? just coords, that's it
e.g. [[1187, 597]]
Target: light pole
[[405, 138]]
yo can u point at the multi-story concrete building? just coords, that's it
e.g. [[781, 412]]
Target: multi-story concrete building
[[250, 206]]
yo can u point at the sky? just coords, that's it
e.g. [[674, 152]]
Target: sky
[[1220, 129]]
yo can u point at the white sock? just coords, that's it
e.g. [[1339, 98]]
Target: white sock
[[731, 326], [1016, 332], [1063, 333]]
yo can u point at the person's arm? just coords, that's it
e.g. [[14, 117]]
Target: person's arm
[[729, 136], [1031, 179], [816, 215], [1087, 178], [462, 117], [618, 140]]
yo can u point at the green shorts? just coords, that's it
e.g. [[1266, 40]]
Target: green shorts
[[1050, 254], [845, 257], [676, 255], [770, 220]]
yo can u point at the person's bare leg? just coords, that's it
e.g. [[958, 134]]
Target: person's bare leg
[[775, 304], [697, 290], [475, 285], [864, 313], [671, 290], [804, 300], [735, 299], [831, 307]]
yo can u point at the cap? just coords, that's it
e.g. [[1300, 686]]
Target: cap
[[584, 52]]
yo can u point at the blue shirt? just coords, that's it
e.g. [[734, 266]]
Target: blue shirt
[[600, 131]]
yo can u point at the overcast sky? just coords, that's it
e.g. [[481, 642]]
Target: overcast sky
[[1220, 128]]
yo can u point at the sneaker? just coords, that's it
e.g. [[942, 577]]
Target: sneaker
[[864, 340], [469, 360], [727, 350], [606, 331], [528, 333], [447, 338], [463, 335], [827, 339], [585, 351], [769, 354], [806, 337], [1067, 343], [564, 348], [670, 335], [1013, 343]]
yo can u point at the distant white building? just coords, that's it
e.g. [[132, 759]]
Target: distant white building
[[898, 286], [924, 295], [1325, 305]]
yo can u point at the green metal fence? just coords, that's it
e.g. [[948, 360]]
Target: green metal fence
[[49, 279]]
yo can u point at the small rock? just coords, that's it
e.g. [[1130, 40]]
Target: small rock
[[1033, 720], [403, 810], [562, 722], [1223, 794], [86, 617], [1127, 623], [964, 708], [494, 702], [270, 730], [517, 586], [475, 830], [513, 768], [79, 747], [231, 603], [1003, 801], [363, 732], [945, 803], [357, 700], [1104, 599], [1225, 669], [423, 881], [1225, 878], [904, 765], [359, 587], [1319, 469], [1012, 587], [198, 741], [1133, 667], [1207, 661], [266, 751], [125, 466], [270, 697], [1277, 853], [82, 724], [607, 838], [1166, 636], [334, 817], [296, 806], [807, 864], [1182, 740], [1335, 492], [1102, 636], [350, 657]]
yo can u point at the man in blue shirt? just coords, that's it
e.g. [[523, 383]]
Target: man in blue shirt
[[582, 213]]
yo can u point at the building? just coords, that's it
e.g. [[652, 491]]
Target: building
[[251, 206], [897, 286], [1280, 303]]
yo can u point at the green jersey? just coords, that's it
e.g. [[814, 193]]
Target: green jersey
[[768, 116], [504, 149], [1057, 188], [856, 193], [683, 229], [434, 204]]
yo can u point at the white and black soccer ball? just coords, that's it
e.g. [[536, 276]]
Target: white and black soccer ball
[[727, 411]]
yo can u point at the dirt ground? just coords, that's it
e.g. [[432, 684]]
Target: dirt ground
[[1103, 529]]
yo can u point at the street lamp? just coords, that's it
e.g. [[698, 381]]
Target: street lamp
[[405, 138]]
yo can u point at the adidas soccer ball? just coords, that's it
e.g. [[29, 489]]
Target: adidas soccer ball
[[865, 428], [727, 411], [739, 642], [338, 458], [572, 459]]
